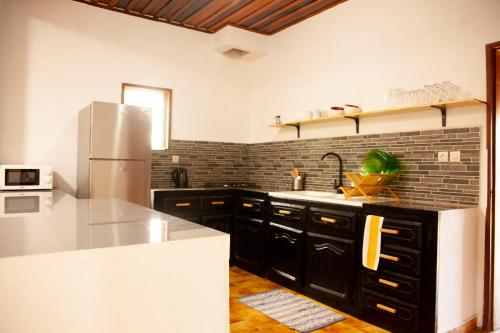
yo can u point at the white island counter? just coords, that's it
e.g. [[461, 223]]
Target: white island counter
[[105, 266]]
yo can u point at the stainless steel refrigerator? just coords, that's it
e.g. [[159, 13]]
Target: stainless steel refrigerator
[[114, 152]]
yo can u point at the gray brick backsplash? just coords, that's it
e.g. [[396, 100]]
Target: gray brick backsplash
[[269, 164]]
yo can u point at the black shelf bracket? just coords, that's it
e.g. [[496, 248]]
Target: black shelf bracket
[[297, 126], [356, 120], [443, 113]]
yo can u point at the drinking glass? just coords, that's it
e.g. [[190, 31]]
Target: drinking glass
[[391, 99], [452, 90], [429, 94], [421, 97], [413, 99]]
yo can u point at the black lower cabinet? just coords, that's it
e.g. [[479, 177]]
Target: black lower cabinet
[[218, 222], [284, 255], [248, 243], [401, 295], [329, 271], [315, 248]]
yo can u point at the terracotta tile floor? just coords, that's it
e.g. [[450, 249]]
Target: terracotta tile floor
[[245, 319]]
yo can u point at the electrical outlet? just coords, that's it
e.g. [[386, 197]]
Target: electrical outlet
[[175, 159], [443, 156], [454, 156]]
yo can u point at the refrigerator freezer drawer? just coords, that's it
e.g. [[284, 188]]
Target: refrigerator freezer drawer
[[127, 180]]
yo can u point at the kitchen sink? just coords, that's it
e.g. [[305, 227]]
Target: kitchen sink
[[324, 197], [318, 196]]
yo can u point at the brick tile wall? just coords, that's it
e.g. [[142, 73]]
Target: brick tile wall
[[268, 164], [206, 162]]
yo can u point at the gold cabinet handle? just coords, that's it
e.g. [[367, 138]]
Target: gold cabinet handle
[[389, 231], [284, 212], [386, 308], [328, 219], [183, 204], [217, 203], [388, 283], [389, 257], [248, 205]]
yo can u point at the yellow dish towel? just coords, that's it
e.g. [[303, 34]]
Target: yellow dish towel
[[371, 241]]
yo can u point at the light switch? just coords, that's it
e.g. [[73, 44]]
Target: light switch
[[454, 156], [175, 159], [443, 156]]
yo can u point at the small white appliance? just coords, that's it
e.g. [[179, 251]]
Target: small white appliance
[[25, 203], [26, 177]]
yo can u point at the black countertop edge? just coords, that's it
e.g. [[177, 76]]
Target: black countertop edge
[[258, 190], [432, 206]]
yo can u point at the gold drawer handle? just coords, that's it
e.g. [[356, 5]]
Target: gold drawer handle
[[284, 212], [388, 283], [328, 219], [386, 308], [216, 203], [389, 231], [389, 257], [248, 205], [183, 204]]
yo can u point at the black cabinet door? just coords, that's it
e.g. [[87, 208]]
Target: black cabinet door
[[330, 269], [248, 243], [218, 222], [284, 255]]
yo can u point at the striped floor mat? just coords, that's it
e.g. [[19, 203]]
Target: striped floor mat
[[295, 312]]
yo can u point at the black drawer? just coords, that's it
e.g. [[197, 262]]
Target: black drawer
[[215, 202], [401, 232], [336, 219], [400, 259], [251, 205], [392, 284], [182, 205], [287, 211], [388, 312]]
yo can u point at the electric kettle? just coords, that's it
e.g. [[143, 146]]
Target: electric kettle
[[180, 177]]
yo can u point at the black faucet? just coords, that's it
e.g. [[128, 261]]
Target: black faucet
[[340, 184]]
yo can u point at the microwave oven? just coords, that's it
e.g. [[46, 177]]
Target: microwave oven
[[25, 203], [26, 177]]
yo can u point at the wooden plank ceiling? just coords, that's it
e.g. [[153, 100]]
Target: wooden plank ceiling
[[261, 16]]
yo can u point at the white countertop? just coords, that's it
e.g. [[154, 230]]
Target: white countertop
[[68, 224], [326, 197]]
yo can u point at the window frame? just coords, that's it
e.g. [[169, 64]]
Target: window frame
[[168, 106]]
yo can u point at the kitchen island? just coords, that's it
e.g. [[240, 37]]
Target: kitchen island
[[106, 265]]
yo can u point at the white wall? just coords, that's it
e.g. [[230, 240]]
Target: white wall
[[60, 55], [360, 49]]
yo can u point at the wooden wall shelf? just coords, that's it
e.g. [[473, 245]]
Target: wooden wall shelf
[[441, 106]]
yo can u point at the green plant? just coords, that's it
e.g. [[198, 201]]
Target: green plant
[[379, 161]]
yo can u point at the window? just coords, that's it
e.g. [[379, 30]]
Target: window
[[160, 101]]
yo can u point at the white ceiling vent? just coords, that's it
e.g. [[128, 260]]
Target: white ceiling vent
[[240, 44], [235, 53]]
